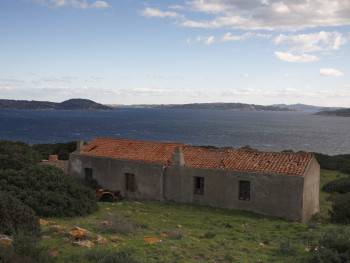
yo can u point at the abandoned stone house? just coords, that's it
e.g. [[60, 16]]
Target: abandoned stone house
[[271, 183]]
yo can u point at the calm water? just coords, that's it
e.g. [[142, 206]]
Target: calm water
[[270, 131]]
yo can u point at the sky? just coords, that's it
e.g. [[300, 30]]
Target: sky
[[174, 52]]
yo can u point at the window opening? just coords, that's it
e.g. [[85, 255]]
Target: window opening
[[244, 190], [199, 185], [88, 174], [130, 182]]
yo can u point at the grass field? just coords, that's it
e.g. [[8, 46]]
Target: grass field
[[193, 233]]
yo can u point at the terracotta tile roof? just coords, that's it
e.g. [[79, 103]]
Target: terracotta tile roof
[[196, 157], [144, 151], [245, 160]]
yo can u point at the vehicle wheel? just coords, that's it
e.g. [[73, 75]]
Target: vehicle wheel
[[107, 198]]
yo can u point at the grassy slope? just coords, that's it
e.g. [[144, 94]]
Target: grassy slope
[[206, 234]]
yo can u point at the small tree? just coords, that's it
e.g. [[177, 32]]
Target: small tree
[[15, 217], [49, 191], [340, 209], [17, 155]]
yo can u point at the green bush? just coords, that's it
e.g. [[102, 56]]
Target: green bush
[[287, 248], [340, 208], [341, 186], [337, 162], [25, 249], [123, 255], [17, 155], [49, 191], [61, 149], [333, 247], [15, 216]]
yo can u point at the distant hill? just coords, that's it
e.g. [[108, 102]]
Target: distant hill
[[306, 108], [339, 113], [218, 106], [72, 104]]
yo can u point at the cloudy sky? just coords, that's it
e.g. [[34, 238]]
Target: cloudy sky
[[143, 52]]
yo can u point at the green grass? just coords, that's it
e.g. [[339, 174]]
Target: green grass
[[195, 233]]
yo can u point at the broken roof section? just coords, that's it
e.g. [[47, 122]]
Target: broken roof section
[[197, 157]]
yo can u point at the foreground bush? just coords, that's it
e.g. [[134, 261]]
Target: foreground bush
[[49, 191], [17, 155], [341, 186], [123, 255], [15, 216], [340, 209], [25, 249], [333, 247]]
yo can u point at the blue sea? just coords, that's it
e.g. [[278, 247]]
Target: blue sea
[[267, 131]]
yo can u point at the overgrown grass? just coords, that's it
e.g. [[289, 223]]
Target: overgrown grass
[[195, 233]]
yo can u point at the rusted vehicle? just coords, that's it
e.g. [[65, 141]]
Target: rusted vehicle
[[105, 195]]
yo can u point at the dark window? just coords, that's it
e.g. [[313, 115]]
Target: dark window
[[199, 185], [130, 182], [244, 190], [88, 174]]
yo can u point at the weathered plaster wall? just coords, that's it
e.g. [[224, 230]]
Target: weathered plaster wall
[[110, 174], [276, 195], [311, 190]]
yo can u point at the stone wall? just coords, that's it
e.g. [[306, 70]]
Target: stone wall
[[111, 174], [276, 195], [291, 197]]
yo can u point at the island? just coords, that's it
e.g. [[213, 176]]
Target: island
[[338, 113], [72, 104], [216, 106]]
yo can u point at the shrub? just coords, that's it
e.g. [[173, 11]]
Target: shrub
[[334, 246], [123, 255], [61, 149], [341, 186], [16, 216], [287, 248], [337, 162], [17, 155], [209, 235], [49, 191], [340, 209], [117, 224], [25, 249]]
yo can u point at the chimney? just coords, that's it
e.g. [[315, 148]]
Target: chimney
[[80, 148], [178, 157]]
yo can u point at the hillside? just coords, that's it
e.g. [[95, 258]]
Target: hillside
[[306, 108], [338, 113], [72, 104], [219, 106]]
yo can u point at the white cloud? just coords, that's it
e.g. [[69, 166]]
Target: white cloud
[[289, 75], [206, 40], [229, 37], [263, 14], [80, 4], [295, 58], [246, 75], [177, 7], [330, 72], [154, 76], [155, 12], [100, 4], [319, 41]]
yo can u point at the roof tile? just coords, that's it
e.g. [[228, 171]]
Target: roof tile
[[197, 157]]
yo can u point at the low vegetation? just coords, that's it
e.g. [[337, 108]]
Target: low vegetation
[[60, 149], [48, 191], [15, 217], [17, 155]]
